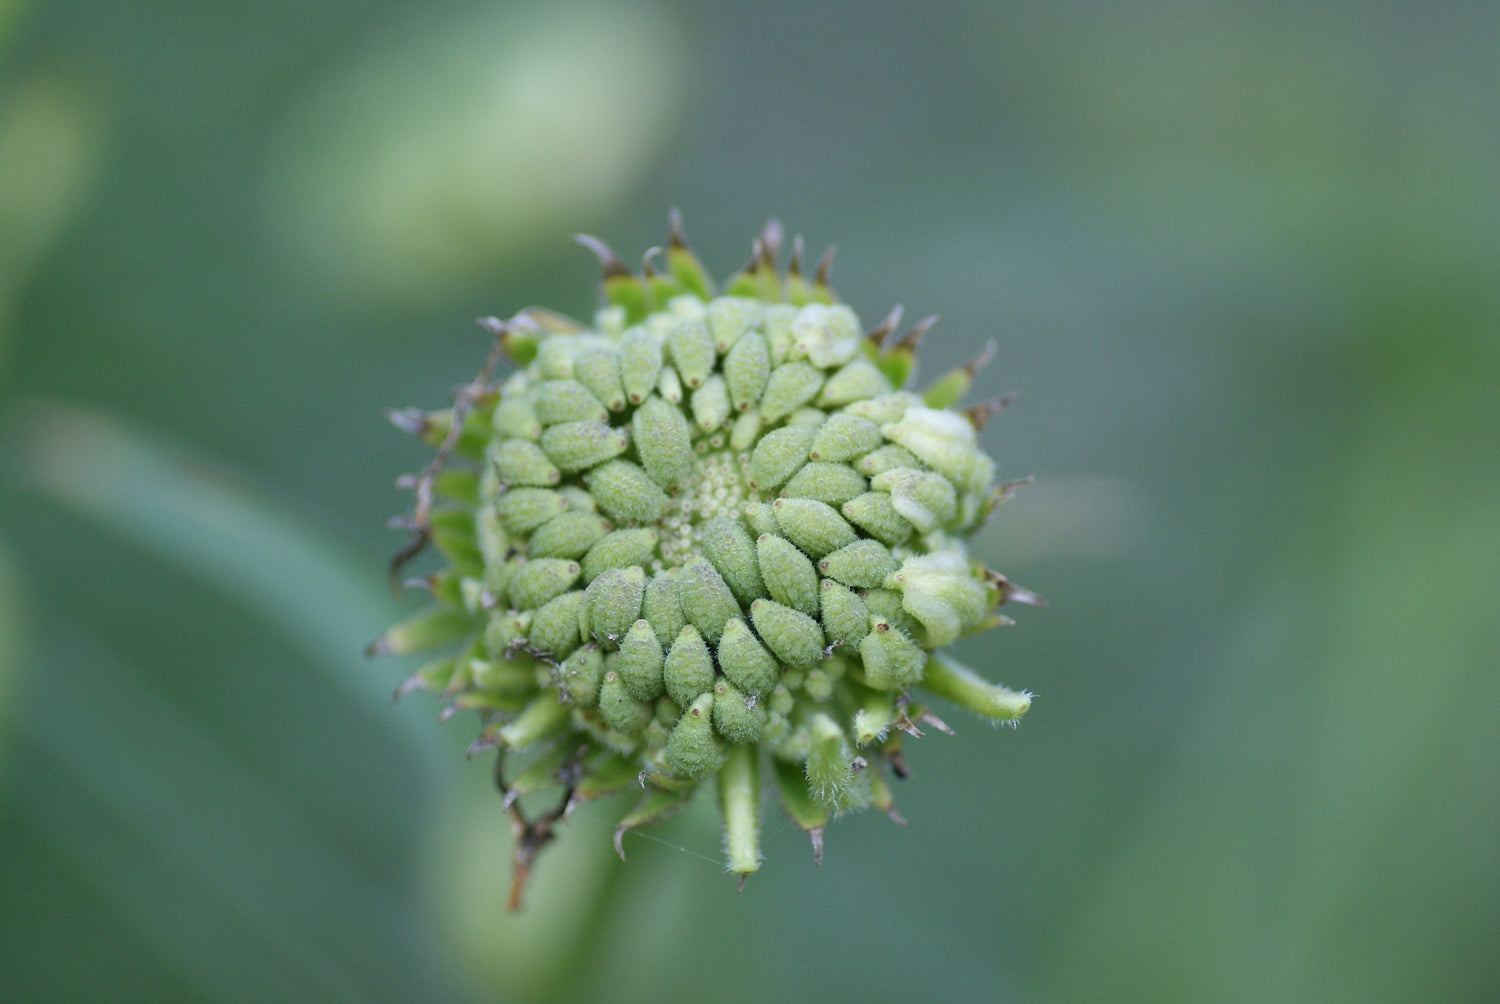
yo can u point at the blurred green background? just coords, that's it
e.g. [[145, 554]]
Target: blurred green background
[[1241, 259]]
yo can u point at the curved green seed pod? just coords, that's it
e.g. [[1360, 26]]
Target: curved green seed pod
[[830, 771], [961, 685], [514, 419], [745, 431], [807, 416], [581, 675], [522, 462], [834, 484], [728, 319], [788, 574], [876, 714], [875, 514], [744, 661], [779, 454], [669, 385], [858, 380], [777, 325], [554, 627], [746, 369], [660, 606], [540, 719], [884, 459], [554, 357], [640, 662], [790, 386], [640, 364], [693, 749], [599, 370], [626, 493], [944, 593], [711, 404], [892, 660], [574, 446], [846, 619], [761, 519], [884, 409], [619, 549], [558, 401], [797, 800], [688, 669], [429, 628], [578, 499], [925, 499], [816, 527], [946, 442], [692, 351], [707, 600], [619, 710], [614, 602], [739, 717], [845, 437], [728, 547], [796, 638], [885, 604], [863, 564], [503, 632], [817, 686], [522, 510], [539, 580], [569, 535], [663, 441]]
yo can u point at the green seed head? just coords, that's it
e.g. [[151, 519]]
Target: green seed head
[[702, 537]]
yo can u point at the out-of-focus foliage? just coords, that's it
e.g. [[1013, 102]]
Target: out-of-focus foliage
[[1240, 260]]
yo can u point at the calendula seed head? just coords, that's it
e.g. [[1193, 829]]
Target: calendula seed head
[[701, 533]]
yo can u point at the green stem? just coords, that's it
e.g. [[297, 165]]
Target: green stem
[[739, 800]]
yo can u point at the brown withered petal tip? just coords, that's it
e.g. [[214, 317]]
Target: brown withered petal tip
[[913, 338], [608, 260], [882, 331]]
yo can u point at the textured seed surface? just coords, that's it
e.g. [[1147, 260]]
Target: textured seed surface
[[703, 534]]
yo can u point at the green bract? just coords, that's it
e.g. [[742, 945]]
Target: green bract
[[706, 537]]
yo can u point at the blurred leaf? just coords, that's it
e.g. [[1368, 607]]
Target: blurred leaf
[[200, 519], [51, 134], [12, 654], [455, 143]]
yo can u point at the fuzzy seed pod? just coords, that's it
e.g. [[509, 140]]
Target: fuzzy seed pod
[[660, 606], [738, 716], [569, 535], [688, 669], [614, 603], [832, 484], [693, 749], [796, 638], [701, 534], [789, 574], [619, 549], [746, 370], [728, 547], [640, 662], [707, 601], [814, 526], [863, 564], [779, 455], [744, 660], [663, 442], [522, 510], [559, 401]]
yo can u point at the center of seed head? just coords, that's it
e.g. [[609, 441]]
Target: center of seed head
[[716, 487]]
